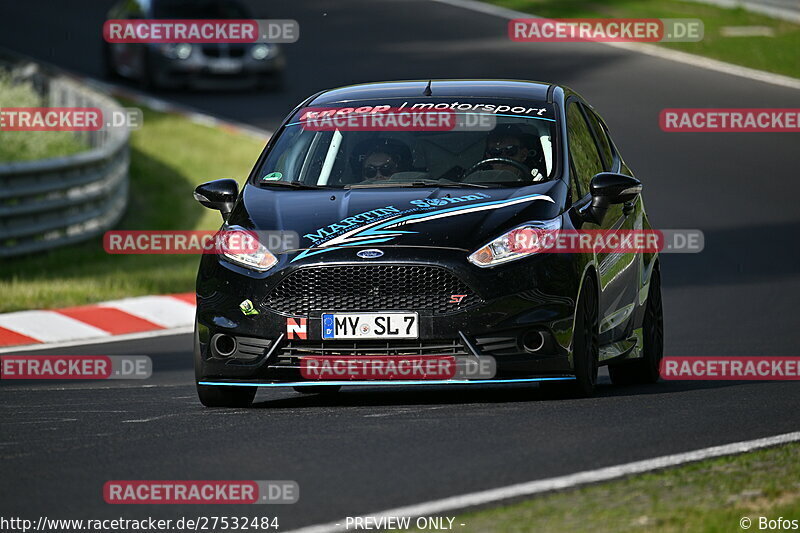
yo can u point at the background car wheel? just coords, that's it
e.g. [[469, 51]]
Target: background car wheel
[[647, 369], [585, 349], [213, 396], [318, 389]]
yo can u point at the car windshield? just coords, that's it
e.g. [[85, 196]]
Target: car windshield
[[479, 149]]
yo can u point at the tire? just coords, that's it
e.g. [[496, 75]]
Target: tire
[[318, 389], [216, 396], [648, 368], [585, 348]]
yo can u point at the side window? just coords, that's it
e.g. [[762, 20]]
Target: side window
[[602, 140], [582, 150]]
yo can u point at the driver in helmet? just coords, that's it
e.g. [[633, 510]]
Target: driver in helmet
[[509, 142]]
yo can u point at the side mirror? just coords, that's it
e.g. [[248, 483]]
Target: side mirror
[[614, 188], [218, 194], [607, 188]]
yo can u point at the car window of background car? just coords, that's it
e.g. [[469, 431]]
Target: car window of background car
[[602, 139], [194, 9], [129, 9], [582, 149]]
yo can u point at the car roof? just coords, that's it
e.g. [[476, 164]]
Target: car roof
[[512, 89]]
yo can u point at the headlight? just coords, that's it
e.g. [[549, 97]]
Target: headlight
[[177, 51], [261, 51], [518, 243], [242, 247]]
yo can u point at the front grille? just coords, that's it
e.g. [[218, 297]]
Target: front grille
[[371, 287], [371, 348], [215, 50]]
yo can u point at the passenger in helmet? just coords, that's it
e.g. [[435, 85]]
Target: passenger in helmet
[[378, 160]]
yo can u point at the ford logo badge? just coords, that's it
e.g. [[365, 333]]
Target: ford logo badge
[[372, 253]]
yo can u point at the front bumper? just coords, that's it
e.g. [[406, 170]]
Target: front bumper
[[508, 302], [380, 383]]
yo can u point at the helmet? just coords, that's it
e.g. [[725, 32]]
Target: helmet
[[396, 149]]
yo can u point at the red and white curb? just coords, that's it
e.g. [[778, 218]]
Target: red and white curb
[[172, 313]]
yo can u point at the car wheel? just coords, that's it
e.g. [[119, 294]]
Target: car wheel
[[216, 396], [647, 369], [318, 389], [585, 349]]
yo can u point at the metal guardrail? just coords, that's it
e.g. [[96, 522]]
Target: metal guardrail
[[54, 202]]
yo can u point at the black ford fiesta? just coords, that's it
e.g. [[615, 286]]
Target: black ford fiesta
[[398, 241]]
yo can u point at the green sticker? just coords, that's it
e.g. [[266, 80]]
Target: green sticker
[[273, 176], [247, 308]]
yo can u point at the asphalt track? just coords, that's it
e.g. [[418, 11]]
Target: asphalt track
[[367, 450]]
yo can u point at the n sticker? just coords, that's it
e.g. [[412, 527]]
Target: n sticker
[[296, 328]]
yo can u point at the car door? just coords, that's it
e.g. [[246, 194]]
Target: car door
[[592, 153]]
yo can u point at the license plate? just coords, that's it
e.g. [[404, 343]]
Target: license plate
[[370, 326], [224, 66]]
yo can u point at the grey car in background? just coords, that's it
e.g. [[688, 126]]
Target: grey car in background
[[184, 65]]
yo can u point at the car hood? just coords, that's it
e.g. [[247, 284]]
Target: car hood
[[384, 217]]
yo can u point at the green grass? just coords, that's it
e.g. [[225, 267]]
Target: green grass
[[31, 145], [709, 496], [169, 157], [780, 53]]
